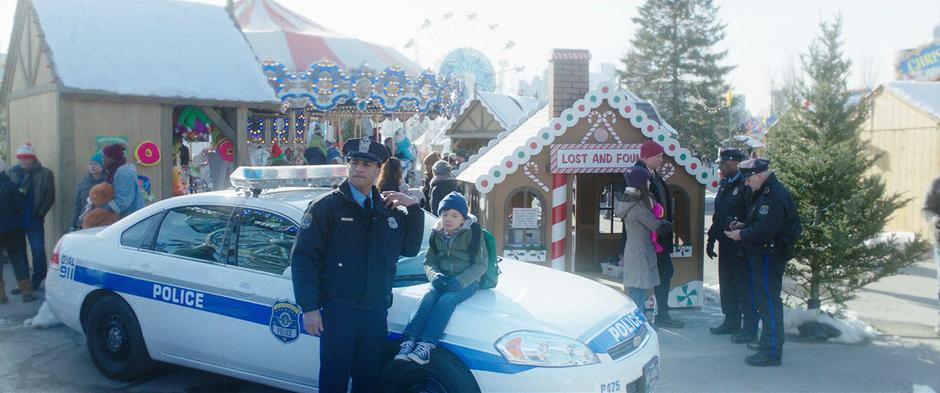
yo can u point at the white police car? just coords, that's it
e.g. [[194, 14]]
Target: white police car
[[203, 281]]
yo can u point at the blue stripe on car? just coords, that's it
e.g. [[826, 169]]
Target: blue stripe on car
[[258, 313]]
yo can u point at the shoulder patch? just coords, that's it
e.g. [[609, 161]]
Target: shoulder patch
[[735, 192], [392, 223], [307, 220], [763, 210]]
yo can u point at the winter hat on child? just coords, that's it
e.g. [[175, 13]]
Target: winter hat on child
[[26, 151], [454, 201], [650, 149], [97, 158], [441, 168], [636, 176]]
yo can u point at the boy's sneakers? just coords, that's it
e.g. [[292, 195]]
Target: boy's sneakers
[[422, 353], [404, 349]]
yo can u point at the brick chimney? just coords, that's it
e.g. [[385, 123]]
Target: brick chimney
[[568, 78]]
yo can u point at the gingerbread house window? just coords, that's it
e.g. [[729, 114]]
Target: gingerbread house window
[[681, 223], [525, 210], [608, 222]]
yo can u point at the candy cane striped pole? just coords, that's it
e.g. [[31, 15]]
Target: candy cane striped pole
[[559, 219]]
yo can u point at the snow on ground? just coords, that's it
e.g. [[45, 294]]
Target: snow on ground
[[923, 389], [43, 319], [853, 330]]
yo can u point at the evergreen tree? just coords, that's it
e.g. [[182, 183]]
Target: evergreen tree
[[817, 151], [673, 62]]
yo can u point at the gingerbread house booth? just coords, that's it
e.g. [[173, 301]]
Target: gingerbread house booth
[[546, 189]]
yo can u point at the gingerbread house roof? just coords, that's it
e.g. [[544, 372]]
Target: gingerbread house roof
[[511, 150]]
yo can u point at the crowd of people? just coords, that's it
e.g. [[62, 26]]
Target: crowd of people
[[109, 191]]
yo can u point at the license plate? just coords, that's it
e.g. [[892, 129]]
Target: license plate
[[651, 375]]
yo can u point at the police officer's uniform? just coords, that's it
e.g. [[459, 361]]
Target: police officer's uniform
[[770, 230], [343, 264], [730, 205]]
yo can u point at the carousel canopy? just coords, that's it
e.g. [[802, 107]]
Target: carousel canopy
[[109, 47], [278, 34]]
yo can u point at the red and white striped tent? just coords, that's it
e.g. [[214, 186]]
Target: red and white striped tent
[[279, 34]]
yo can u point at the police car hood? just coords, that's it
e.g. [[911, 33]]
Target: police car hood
[[535, 298]]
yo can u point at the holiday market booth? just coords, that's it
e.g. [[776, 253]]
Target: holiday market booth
[[546, 190], [84, 74]]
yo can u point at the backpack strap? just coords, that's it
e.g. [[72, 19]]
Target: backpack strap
[[475, 234]]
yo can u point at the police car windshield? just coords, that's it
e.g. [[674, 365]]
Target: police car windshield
[[411, 269]]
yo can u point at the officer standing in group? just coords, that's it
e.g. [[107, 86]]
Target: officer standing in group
[[343, 266], [768, 234], [733, 277]]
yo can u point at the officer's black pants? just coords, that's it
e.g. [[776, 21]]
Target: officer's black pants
[[14, 246], [733, 271], [767, 280], [664, 265], [351, 345]]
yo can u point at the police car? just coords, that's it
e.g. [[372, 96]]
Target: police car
[[203, 281]]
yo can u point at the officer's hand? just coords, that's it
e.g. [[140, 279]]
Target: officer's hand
[[395, 199], [439, 282], [313, 322], [734, 235], [710, 250], [735, 225]]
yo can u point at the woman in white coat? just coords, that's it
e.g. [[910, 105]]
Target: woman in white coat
[[639, 255]]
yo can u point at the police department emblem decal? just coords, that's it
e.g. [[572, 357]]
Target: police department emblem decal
[[763, 210], [285, 321], [392, 223]]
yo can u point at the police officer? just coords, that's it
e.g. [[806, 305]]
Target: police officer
[[343, 265], [732, 265], [768, 234]]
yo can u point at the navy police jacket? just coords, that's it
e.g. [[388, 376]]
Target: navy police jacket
[[347, 255], [773, 222], [730, 205]]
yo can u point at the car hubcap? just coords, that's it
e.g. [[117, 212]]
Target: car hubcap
[[114, 334]]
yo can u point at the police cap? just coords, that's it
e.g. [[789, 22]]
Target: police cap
[[731, 155], [753, 166], [365, 149]]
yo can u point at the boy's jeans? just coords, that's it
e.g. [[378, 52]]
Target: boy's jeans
[[434, 313]]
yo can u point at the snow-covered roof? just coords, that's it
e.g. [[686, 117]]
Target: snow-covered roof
[[924, 95], [167, 49], [748, 140], [509, 110], [511, 150]]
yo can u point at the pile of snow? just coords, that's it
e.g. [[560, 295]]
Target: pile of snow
[[853, 331], [712, 295], [43, 319], [899, 237], [923, 389]]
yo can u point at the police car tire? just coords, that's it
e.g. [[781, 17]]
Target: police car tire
[[131, 362], [445, 369]]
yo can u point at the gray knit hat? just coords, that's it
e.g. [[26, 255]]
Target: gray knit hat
[[441, 168]]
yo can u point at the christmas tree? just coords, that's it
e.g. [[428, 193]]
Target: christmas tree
[[817, 152], [673, 61]]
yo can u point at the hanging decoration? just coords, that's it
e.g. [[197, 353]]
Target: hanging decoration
[[193, 124], [324, 87], [147, 153], [226, 150]]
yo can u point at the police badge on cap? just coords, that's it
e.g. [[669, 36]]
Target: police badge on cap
[[731, 155], [365, 149], [752, 166]]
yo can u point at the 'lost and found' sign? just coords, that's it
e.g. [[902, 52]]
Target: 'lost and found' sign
[[594, 158]]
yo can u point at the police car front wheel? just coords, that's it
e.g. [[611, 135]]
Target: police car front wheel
[[115, 342], [445, 374]]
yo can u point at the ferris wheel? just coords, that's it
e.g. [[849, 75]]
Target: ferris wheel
[[465, 46]]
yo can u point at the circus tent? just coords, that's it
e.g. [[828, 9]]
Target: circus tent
[[279, 34]]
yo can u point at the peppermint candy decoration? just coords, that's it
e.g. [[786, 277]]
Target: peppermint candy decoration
[[667, 170]]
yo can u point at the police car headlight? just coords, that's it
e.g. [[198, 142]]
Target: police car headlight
[[544, 350]]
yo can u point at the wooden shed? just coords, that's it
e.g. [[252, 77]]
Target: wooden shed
[[80, 73], [546, 189], [904, 126], [485, 116]]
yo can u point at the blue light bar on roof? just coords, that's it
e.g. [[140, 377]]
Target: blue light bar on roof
[[266, 177]]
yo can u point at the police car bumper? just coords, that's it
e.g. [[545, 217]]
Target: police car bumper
[[634, 373]]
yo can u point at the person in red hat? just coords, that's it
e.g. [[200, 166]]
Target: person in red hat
[[37, 183], [651, 159]]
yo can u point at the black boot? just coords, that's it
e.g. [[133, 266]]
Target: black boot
[[665, 321], [762, 359], [726, 327]]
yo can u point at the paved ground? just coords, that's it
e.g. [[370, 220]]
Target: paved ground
[[55, 360]]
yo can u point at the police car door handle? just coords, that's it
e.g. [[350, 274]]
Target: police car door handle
[[244, 289], [142, 267]]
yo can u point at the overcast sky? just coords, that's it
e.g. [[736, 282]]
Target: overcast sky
[[764, 38]]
